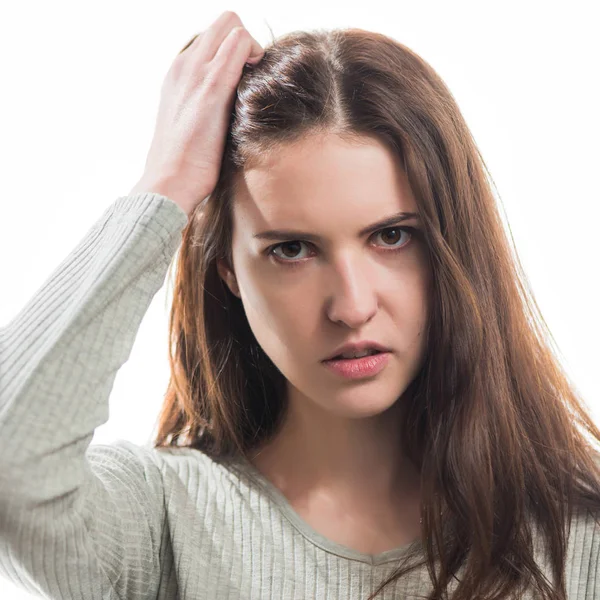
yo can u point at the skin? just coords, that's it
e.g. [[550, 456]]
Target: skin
[[337, 457]]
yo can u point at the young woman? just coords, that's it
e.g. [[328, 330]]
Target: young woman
[[328, 203]]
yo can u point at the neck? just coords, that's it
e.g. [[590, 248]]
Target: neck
[[317, 454]]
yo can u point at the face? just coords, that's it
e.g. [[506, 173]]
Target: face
[[303, 298]]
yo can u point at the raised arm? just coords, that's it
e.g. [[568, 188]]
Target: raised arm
[[79, 522]]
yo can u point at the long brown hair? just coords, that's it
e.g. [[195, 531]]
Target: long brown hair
[[498, 432]]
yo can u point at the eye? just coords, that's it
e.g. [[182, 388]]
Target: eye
[[395, 234], [389, 235]]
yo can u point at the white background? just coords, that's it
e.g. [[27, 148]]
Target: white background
[[80, 90]]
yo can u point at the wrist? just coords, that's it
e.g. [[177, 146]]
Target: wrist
[[169, 189]]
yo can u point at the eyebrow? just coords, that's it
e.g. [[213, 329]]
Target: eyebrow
[[292, 234]]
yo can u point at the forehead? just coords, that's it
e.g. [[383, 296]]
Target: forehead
[[324, 178]]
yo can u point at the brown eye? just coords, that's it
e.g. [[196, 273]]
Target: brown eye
[[293, 253], [392, 235], [289, 252]]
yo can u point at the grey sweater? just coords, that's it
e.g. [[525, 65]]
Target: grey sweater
[[122, 521]]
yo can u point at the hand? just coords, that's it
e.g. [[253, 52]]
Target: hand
[[197, 97]]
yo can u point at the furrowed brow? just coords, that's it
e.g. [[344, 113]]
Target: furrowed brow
[[292, 234]]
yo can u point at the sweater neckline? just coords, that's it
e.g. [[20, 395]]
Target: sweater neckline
[[314, 537]]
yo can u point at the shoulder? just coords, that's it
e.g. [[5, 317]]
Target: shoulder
[[186, 469]]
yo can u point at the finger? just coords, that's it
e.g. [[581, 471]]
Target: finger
[[216, 33], [257, 53], [236, 50]]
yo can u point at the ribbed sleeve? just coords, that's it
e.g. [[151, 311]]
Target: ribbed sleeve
[[71, 527]]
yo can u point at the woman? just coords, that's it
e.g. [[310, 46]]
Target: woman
[[342, 208]]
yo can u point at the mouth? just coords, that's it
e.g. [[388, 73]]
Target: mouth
[[340, 357], [357, 349], [358, 367]]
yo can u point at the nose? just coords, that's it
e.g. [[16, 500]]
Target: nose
[[353, 299]]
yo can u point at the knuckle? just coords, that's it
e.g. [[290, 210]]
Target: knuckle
[[231, 15], [239, 31], [214, 80], [219, 75], [242, 35]]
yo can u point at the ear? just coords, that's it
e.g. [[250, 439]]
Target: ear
[[228, 276]]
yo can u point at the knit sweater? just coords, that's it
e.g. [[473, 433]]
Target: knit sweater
[[132, 522]]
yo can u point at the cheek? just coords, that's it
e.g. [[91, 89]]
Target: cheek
[[418, 331], [408, 299], [282, 318]]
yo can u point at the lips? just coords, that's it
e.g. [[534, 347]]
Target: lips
[[357, 347], [372, 352], [359, 368]]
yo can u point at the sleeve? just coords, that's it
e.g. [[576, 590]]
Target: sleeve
[[82, 521]]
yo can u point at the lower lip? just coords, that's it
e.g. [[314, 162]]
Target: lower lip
[[357, 368]]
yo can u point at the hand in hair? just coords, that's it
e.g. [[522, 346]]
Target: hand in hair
[[197, 97]]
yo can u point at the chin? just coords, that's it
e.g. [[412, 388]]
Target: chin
[[359, 406]]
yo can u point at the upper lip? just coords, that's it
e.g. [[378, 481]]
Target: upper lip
[[357, 347]]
